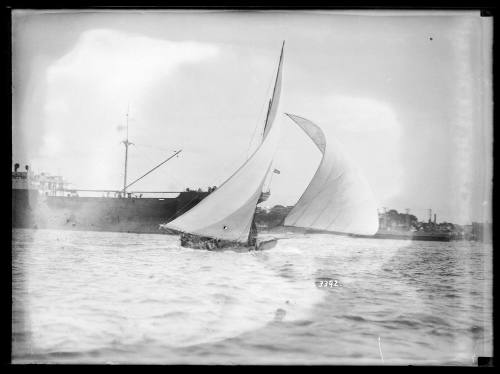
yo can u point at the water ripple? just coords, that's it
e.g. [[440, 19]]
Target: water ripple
[[87, 297]]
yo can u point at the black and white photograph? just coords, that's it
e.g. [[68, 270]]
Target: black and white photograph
[[252, 186]]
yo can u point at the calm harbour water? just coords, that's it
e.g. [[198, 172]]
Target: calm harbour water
[[98, 297]]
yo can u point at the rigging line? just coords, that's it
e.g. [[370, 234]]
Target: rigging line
[[153, 162], [153, 169]]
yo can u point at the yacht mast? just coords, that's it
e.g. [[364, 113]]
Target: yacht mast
[[276, 87]]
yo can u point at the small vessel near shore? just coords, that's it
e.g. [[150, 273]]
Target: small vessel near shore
[[226, 218]]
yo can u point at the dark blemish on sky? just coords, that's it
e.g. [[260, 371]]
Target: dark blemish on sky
[[430, 38]]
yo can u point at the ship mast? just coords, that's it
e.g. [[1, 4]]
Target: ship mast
[[126, 143]]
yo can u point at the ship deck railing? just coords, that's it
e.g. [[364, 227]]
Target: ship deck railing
[[115, 193]]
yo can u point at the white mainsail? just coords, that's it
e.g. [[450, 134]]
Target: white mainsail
[[227, 212], [275, 99], [338, 198]]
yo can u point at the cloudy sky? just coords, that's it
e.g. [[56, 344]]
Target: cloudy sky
[[408, 94]]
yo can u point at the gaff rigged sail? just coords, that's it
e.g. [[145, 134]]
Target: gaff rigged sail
[[275, 99], [338, 198], [227, 212]]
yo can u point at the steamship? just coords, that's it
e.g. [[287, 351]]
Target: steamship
[[44, 201]]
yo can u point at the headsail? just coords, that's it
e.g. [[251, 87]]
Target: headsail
[[227, 212], [338, 198], [274, 102]]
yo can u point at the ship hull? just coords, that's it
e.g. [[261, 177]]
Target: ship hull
[[134, 215], [212, 244]]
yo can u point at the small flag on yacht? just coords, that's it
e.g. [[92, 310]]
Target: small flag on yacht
[[276, 171]]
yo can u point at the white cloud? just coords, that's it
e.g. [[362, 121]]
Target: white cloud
[[88, 90], [360, 115], [371, 133], [119, 64]]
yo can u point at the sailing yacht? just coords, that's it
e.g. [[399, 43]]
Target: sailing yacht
[[225, 218]]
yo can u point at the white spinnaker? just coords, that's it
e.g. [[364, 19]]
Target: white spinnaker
[[338, 198], [227, 212]]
